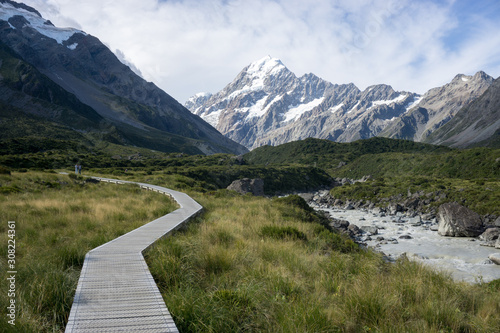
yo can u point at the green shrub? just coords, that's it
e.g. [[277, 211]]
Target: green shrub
[[4, 170], [278, 232], [9, 189]]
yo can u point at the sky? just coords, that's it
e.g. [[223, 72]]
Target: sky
[[191, 46]]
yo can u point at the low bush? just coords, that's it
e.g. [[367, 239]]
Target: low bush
[[278, 232]]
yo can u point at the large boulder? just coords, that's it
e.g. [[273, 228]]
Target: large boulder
[[490, 235], [495, 257], [458, 221], [247, 185], [370, 229]]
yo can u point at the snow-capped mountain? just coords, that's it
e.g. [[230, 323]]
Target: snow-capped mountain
[[266, 104], [19, 15], [79, 64]]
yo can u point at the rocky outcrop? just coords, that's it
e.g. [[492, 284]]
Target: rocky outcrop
[[456, 220], [247, 185], [490, 235]]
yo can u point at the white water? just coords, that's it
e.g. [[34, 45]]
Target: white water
[[464, 258]]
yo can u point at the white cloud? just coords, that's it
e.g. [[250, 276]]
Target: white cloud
[[186, 46]]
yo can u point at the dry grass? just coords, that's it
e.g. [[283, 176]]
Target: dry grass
[[58, 220], [224, 275]]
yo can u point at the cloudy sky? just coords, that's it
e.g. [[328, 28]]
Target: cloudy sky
[[189, 46]]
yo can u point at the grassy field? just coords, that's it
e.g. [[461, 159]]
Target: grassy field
[[258, 265], [58, 219], [248, 264]]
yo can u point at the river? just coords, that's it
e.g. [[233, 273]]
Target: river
[[464, 258]]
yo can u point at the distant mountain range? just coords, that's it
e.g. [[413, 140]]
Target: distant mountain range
[[71, 83], [266, 104]]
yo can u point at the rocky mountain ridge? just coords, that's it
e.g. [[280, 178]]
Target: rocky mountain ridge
[[438, 106], [84, 67], [266, 104], [476, 124]]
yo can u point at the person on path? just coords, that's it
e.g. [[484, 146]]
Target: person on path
[[80, 169], [76, 168]]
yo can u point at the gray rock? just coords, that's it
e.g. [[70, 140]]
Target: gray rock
[[458, 221], [415, 220], [495, 257], [428, 217], [307, 196], [370, 229], [497, 222], [354, 229], [497, 244], [246, 185], [395, 208], [405, 237], [339, 224], [349, 207], [491, 234]]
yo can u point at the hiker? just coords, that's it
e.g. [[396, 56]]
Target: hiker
[[79, 169], [76, 168]]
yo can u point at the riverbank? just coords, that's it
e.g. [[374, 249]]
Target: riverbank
[[397, 231]]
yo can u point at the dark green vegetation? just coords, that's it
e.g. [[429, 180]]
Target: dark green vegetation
[[398, 167], [328, 154]]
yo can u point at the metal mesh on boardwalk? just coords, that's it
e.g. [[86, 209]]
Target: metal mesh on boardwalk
[[116, 292]]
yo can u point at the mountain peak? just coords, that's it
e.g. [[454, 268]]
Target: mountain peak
[[265, 66], [19, 16], [21, 6], [479, 76]]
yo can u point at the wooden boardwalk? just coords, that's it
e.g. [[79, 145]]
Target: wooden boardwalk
[[116, 292]]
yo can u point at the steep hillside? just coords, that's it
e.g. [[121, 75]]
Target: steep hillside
[[84, 67], [477, 124], [437, 107]]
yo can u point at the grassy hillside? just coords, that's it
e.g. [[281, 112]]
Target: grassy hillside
[[464, 164], [35, 108], [328, 154], [399, 169]]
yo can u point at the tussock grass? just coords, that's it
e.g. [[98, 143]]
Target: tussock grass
[[223, 274], [58, 220]]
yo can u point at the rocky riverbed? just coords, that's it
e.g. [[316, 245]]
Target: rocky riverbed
[[396, 233]]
